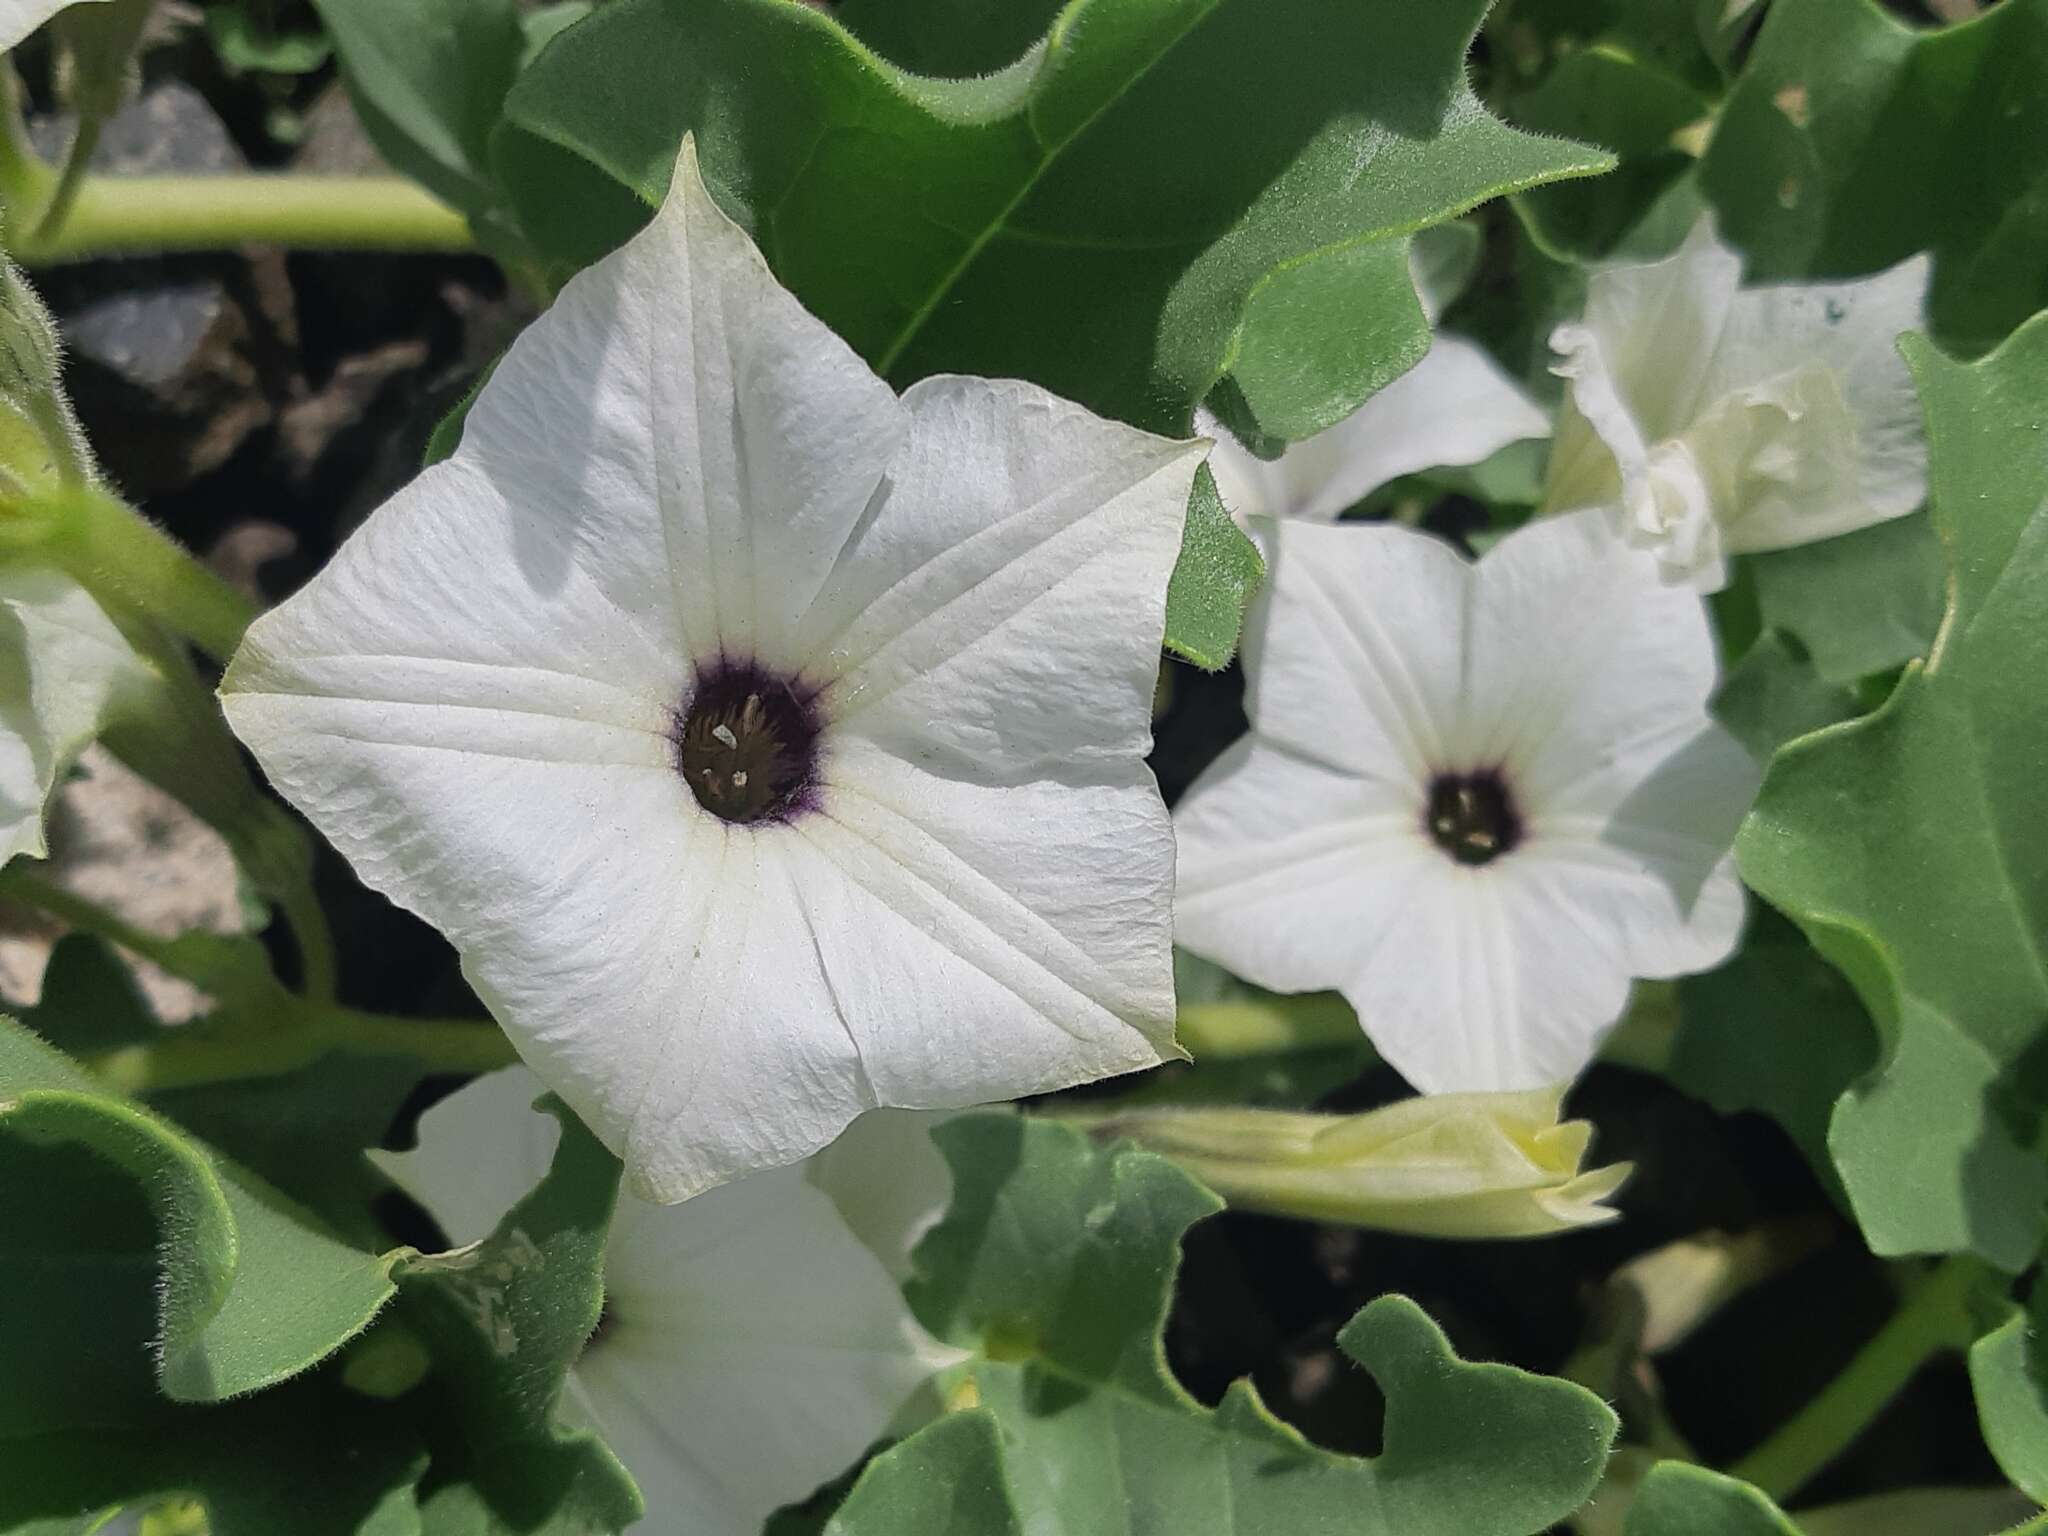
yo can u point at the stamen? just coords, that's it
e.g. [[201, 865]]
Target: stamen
[[1472, 816]]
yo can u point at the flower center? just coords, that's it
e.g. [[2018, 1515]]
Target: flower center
[[748, 741], [1472, 816]]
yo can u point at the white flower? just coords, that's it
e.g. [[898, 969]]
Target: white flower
[[751, 1346], [1455, 407], [18, 18], [1727, 420], [1476, 799], [770, 747], [63, 665]]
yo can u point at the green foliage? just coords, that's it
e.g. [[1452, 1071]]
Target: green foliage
[[253, 1288], [947, 1481], [1775, 1030], [1773, 695], [1852, 141], [1055, 1264], [2009, 1374], [1860, 603], [1679, 1499], [505, 1319], [428, 79], [1909, 846], [1050, 221]]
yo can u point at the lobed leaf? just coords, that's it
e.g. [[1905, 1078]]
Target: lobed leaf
[[253, 1289], [1909, 846], [1055, 1264], [1852, 141], [1680, 1499]]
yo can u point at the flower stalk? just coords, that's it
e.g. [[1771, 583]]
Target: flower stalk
[[1935, 1317]]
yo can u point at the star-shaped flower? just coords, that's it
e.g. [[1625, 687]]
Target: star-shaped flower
[[1475, 799], [63, 666], [771, 747], [752, 1343], [1725, 420]]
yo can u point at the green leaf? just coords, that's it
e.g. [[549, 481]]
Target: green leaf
[[248, 43], [1773, 696], [90, 1000], [505, 1319], [1910, 847], [1775, 1030], [946, 1481], [83, 1424], [1860, 603], [1853, 141], [1159, 194], [307, 1458], [1608, 97], [253, 1289], [1055, 1265], [1680, 1499], [1218, 571], [2009, 1375], [428, 79]]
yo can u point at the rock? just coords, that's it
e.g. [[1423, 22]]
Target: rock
[[121, 842]]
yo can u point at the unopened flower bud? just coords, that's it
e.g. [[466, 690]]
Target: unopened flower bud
[[1444, 1165]]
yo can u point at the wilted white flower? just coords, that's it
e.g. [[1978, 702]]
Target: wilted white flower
[[751, 1345], [18, 18], [1480, 1165], [63, 665], [770, 747], [1475, 799], [1455, 407], [1725, 420]]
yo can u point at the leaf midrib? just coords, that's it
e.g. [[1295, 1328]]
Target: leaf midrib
[[1057, 49]]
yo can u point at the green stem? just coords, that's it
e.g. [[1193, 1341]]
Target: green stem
[[19, 883], [126, 561], [69, 184], [1935, 1317], [285, 1034], [129, 215], [193, 1055]]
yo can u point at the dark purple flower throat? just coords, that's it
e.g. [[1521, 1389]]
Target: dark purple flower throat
[[747, 742]]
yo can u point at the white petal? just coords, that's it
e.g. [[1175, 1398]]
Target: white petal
[[1287, 865], [1865, 417], [1577, 651], [757, 1350], [1365, 685], [983, 942], [481, 1151], [755, 1347], [1453, 408], [889, 1180], [62, 662]]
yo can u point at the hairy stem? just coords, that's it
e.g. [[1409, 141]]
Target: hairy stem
[[127, 215], [1934, 1318]]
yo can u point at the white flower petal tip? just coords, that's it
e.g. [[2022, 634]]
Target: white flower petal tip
[[1476, 799], [1467, 1165], [63, 665], [1725, 420], [1452, 409], [753, 1345], [770, 747]]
